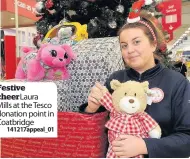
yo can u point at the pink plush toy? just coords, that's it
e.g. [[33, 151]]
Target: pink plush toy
[[49, 62]]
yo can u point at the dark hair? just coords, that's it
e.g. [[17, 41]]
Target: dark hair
[[156, 27]]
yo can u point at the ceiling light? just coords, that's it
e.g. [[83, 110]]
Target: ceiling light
[[12, 18]]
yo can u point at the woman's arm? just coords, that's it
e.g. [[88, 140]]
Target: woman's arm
[[178, 143], [83, 107], [93, 106]]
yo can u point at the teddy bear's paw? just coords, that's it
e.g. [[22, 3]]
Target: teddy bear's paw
[[155, 133]]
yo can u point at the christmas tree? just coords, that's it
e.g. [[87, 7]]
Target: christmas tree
[[103, 17]]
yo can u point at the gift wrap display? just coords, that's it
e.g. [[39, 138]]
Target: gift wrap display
[[96, 60], [79, 135]]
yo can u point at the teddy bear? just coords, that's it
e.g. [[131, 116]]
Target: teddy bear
[[65, 33], [127, 107], [49, 62]]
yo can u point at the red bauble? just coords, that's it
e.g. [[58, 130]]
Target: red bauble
[[163, 47], [159, 7], [49, 4]]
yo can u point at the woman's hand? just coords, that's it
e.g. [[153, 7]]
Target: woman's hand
[[94, 97], [129, 146]]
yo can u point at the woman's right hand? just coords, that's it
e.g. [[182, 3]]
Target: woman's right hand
[[94, 97]]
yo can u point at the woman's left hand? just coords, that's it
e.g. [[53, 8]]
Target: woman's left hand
[[126, 146]]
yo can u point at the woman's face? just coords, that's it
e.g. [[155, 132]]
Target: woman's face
[[136, 49]]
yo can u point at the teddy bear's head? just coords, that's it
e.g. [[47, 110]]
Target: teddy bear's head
[[129, 97], [55, 55], [65, 32]]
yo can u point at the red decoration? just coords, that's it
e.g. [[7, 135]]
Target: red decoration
[[163, 47], [49, 4], [172, 16], [134, 14], [159, 7], [10, 56], [79, 136]]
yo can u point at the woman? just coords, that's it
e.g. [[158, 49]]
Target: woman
[[140, 42]]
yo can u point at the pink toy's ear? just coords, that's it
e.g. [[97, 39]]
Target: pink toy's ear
[[69, 50], [26, 49], [40, 50]]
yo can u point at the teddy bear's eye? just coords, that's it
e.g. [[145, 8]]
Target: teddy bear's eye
[[66, 56], [53, 53], [135, 94], [125, 94]]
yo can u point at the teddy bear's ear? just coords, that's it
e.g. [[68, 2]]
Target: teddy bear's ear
[[115, 84], [145, 85], [69, 50]]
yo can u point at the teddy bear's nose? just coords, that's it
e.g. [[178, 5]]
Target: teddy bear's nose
[[131, 101], [60, 59]]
